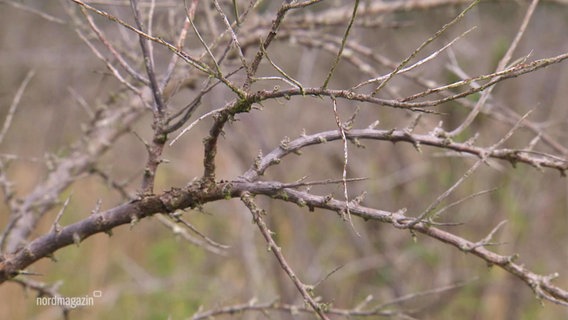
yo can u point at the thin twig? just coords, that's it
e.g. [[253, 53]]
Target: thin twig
[[426, 214], [257, 214], [56, 227], [190, 14], [15, 104], [341, 129], [415, 65], [191, 125], [193, 62], [424, 44], [233, 35], [145, 47], [342, 47], [501, 66], [205, 242]]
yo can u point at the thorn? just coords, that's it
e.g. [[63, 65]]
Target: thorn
[[258, 160], [413, 123], [76, 239], [285, 143], [97, 208], [51, 257], [28, 273], [133, 221], [512, 258], [374, 125]]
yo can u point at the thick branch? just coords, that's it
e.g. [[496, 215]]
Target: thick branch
[[194, 195], [130, 212]]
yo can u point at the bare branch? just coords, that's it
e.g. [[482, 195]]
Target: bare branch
[[511, 155], [424, 44], [431, 103], [14, 105], [342, 47], [501, 66], [148, 61], [257, 214]]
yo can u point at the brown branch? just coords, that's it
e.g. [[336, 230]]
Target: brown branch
[[45, 246], [194, 195], [148, 60], [272, 35], [243, 104], [156, 147], [108, 124], [512, 72]]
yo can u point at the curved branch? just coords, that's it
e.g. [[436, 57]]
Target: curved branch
[[437, 139]]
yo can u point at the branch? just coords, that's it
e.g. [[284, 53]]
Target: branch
[[257, 214], [513, 156], [540, 284], [241, 105], [184, 56], [342, 47], [501, 66], [105, 128], [194, 195], [272, 35]]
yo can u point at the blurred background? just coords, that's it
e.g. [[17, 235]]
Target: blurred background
[[147, 272]]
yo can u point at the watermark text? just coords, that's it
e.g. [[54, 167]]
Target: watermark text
[[69, 302]]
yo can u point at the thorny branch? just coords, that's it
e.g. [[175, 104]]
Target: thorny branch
[[214, 64], [194, 195], [258, 219]]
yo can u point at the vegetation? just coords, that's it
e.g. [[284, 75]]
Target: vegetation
[[284, 160]]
